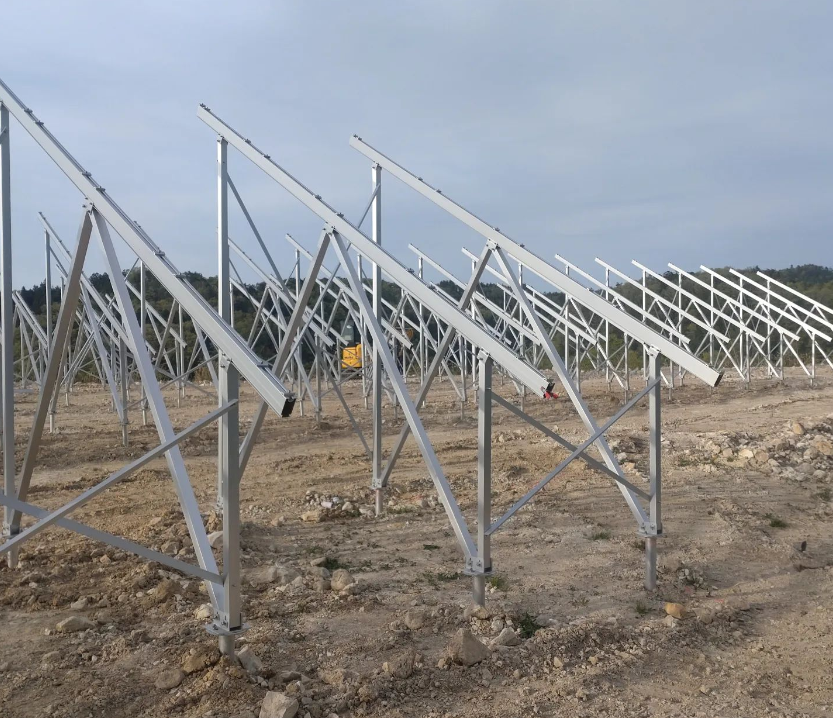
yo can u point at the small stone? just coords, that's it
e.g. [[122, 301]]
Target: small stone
[[215, 539], [508, 637], [312, 517], [261, 575], [166, 590], [677, 610], [249, 660], [704, 690], [320, 561], [465, 649], [73, 624], [321, 585], [400, 667], [170, 547], [204, 612], [670, 621], [278, 705], [476, 611], [705, 615], [797, 428], [287, 574], [415, 619], [341, 579], [80, 604], [200, 658], [823, 446], [168, 678], [557, 663], [51, 657]]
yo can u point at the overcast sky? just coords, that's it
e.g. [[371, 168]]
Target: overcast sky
[[686, 132]]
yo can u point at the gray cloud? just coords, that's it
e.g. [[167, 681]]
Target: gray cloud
[[692, 132]]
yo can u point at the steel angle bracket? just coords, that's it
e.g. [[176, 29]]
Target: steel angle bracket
[[649, 530], [474, 567]]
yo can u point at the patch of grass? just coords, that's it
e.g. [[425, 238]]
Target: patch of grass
[[825, 494], [776, 522], [641, 609], [527, 626], [600, 535], [331, 564], [434, 579], [448, 575], [580, 601], [499, 583], [430, 547]]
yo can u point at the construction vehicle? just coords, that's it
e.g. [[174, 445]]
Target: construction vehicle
[[351, 354]]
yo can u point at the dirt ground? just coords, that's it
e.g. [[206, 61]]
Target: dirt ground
[[747, 481]]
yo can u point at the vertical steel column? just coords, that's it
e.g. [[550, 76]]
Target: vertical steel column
[[180, 350], [376, 273], [7, 310], [229, 620], [484, 478], [143, 324], [655, 458], [48, 299], [123, 377]]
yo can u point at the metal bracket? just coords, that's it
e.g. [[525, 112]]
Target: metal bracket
[[650, 531], [215, 628], [475, 567]]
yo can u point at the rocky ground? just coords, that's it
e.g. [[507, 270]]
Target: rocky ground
[[356, 616]]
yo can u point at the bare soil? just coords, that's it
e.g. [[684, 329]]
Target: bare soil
[[756, 639]]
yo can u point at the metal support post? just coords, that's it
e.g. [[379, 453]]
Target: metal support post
[[48, 300], [484, 479], [123, 376], [376, 273], [229, 619], [142, 324], [655, 458], [7, 309]]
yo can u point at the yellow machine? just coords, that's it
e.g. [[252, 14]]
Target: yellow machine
[[351, 357]]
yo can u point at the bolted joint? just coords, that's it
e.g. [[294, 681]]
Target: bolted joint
[[219, 627], [475, 567], [649, 530]]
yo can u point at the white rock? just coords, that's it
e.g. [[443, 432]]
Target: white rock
[[215, 539], [465, 649], [278, 705], [168, 679], [261, 575], [74, 624], [341, 579], [508, 637], [249, 660], [204, 612], [415, 619]]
